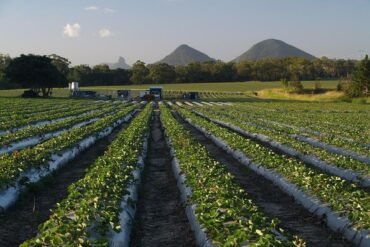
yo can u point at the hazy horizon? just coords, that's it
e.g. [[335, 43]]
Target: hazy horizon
[[92, 32]]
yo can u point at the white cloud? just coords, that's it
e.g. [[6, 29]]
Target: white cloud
[[96, 8], [72, 31], [104, 33], [92, 8], [109, 10]]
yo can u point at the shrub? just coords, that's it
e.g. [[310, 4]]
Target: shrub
[[359, 101], [339, 87], [359, 85], [285, 83], [350, 89], [296, 87], [317, 87]]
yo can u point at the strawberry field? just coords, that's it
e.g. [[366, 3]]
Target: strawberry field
[[171, 173]]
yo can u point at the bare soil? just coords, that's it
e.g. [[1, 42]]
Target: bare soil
[[20, 222], [275, 203], [160, 217]]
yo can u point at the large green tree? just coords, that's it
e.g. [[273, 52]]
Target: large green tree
[[79, 72], [101, 68], [61, 63], [222, 72], [35, 72], [193, 72], [360, 83], [4, 62], [140, 73], [162, 73], [244, 70]]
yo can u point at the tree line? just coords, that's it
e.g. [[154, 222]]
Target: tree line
[[290, 69], [215, 71]]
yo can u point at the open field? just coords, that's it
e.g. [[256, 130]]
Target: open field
[[222, 86], [226, 91], [272, 173], [57, 92], [212, 87]]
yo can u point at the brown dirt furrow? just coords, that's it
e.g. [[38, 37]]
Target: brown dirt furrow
[[275, 203], [160, 217], [21, 221]]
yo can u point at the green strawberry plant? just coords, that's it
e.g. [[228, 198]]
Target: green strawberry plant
[[92, 207], [223, 207], [345, 198]]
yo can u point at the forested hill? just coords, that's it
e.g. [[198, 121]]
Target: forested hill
[[184, 55], [273, 48]]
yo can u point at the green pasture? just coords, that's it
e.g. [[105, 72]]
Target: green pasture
[[200, 87], [220, 86], [266, 90]]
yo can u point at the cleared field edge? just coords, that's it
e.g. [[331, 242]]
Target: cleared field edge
[[333, 220], [9, 195]]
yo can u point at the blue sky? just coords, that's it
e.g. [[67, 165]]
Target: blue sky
[[98, 31]]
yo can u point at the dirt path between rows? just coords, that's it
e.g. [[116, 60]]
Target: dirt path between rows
[[20, 222], [160, 217], [276, 204]]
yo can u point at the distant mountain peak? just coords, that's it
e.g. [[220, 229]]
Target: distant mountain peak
[[183, 46], [184, 54], [273, 48], [121, 60], [120, 64]]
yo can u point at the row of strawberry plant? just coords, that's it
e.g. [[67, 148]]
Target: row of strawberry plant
[[30, 131], [72, 111], [347, 130], [345, 198], [354, 137], [275, 134], [223, 208], [14, 114], [91, 211], [14, 164], [339, 124], [14, 106], [307, 107], [19, 109]]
